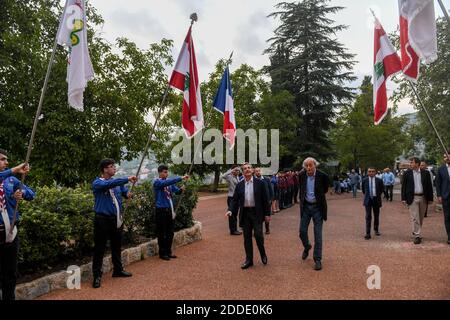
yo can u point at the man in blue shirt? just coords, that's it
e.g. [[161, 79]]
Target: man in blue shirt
[[10, 192], [164, 189], [108, 224], [388, 182]]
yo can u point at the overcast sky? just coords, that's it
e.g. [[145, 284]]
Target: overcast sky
[[238, 25]]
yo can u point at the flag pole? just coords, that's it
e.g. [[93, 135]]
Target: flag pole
[[428, 117], [196, 150], [444, 10], [36, 120]]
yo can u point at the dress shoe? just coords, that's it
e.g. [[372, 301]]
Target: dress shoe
[[318, 265], [121, 274], [264, 260], [377, 233], [367, 237], [167, 258], [247, 264], [417, 240], [306, 252], [172, 256], [97, 282], [448, 241], [235, 233], [267, 231]]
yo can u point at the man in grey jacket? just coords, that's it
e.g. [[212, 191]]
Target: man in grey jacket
[[232, 179]]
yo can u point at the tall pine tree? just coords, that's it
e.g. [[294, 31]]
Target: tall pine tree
[[307, 60]]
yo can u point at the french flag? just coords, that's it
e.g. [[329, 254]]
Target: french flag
[[223, 103]]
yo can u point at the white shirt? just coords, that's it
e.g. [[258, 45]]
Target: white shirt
[[418, 188], [249, 199], [373, 186]]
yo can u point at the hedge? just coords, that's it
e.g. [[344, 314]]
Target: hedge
[[57, 227]]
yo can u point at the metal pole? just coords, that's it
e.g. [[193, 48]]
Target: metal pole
[[428, 116], [444, 10], [36, 120]]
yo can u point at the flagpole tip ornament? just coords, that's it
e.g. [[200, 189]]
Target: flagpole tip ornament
[[194, 18]]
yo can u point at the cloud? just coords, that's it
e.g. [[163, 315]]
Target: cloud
[[250, 40]]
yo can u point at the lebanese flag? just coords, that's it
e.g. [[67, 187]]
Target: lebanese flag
[[386, 64], [224, 103], [185, 78], [418, 37]]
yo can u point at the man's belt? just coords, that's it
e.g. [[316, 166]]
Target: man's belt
[[418, 194], [310, 203]]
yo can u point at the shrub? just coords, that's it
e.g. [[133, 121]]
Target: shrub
[[57, 226]]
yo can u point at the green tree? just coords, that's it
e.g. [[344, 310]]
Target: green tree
[[434, 89], [359, 143], [128, 86], [307, 60]]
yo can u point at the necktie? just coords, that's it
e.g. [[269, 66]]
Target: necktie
[[370, 187]]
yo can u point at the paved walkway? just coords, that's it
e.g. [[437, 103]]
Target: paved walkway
[[210, 269]]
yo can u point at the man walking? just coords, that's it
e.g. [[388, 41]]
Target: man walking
[[388, 182], [108, 224], [11, 192], [250, 198], [164, 189], [355, 179], [443, 192], [417, 192], [232, 179], [372, 188], [269, 191], [313, 205]]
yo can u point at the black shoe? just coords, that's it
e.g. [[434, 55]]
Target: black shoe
[[167, 258], [264, 259], [417, 240], [367, 237], [97, 282], [172, 256], [267, 231], [121, 274], [318, 265], [377, 233], [247, 264], [235, 233], [306, 252], [448, 241]]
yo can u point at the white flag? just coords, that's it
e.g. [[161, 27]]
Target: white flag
[[72, 33]]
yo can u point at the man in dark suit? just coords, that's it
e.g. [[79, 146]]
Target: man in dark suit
[[269, 191], [417, 192], [313, 205], [250, 198], [372, 188], [443, 192]]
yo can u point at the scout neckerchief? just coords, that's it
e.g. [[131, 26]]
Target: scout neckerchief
[[168, 193], [10, 236], [119, 214]]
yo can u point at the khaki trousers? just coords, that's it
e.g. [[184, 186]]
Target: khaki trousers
[[417, 211]]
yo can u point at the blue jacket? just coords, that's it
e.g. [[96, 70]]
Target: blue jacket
[[160, 195], [5, 174], [443, 183], [104, 204], [11, 185]]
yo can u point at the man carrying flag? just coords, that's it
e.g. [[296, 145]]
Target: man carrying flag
[[418, 37], [72, 33], [386, 64], [185, 78], [223, 103]]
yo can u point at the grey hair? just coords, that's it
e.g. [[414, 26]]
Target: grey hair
[[316, 163]]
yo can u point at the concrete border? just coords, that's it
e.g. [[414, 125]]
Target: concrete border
[[58, 280]]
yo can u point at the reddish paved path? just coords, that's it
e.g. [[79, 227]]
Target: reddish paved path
[[210, 269]]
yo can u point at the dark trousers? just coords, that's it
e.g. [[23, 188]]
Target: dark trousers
[[446, 209], [8, 267], [164, 231], [232, 220], [389, 192], [295, 193], [251, 225], [312, 212], [282, 198], [372, 206], [105, 228]]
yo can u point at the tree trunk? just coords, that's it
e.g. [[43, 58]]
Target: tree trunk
[[216, 180]]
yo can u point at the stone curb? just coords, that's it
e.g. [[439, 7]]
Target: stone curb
[[58, 280]]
